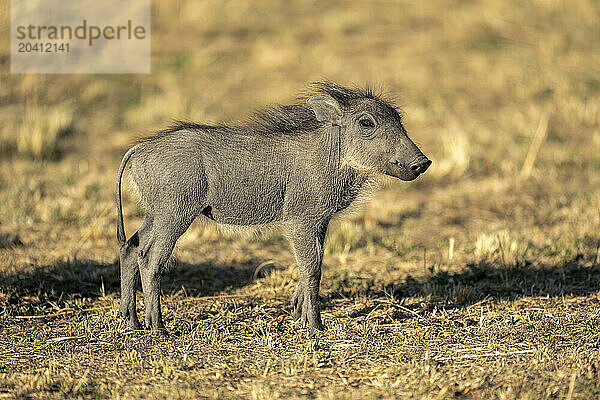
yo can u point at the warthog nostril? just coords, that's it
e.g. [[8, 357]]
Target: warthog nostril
[[426, 165], [420, 165]]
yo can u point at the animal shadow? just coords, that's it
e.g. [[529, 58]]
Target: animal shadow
[[68, 282]]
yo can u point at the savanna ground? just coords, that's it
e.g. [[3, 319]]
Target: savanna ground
[[480, 279]]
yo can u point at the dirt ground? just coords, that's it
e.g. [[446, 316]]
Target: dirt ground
[[481, 279]]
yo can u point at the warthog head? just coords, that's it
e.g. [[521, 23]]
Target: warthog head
[[373, 137]]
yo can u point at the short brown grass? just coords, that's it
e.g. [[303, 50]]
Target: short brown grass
[[512, 311], [41, 129]]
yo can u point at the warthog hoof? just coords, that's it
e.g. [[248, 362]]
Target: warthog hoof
[[129, 317], [305, 304]]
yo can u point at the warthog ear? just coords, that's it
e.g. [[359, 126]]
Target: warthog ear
[[326, 108]]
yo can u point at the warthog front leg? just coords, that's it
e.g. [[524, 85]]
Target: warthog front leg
[[308, 247]]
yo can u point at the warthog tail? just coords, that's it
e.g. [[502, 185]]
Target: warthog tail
[[120, 226]]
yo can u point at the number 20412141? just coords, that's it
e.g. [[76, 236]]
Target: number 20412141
[[43, 47]]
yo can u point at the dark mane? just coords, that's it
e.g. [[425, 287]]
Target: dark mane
[[175, 127], [343, 95], [179, 125], [294, 119], [291, 119]]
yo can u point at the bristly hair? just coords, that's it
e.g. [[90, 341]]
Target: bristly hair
[[173, 128], [291, 119], [345, 95], [179, 125]]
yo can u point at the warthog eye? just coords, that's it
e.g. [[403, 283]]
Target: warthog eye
[[366, 122]]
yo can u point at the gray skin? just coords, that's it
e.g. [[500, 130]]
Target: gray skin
[[296, 166]]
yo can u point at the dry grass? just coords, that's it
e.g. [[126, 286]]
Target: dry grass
[[479, 280], [41, 129]]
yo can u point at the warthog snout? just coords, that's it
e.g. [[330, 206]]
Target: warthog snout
[[420, 165]]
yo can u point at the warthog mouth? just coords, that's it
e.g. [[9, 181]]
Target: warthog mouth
[[408, 171], [398, 170]]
